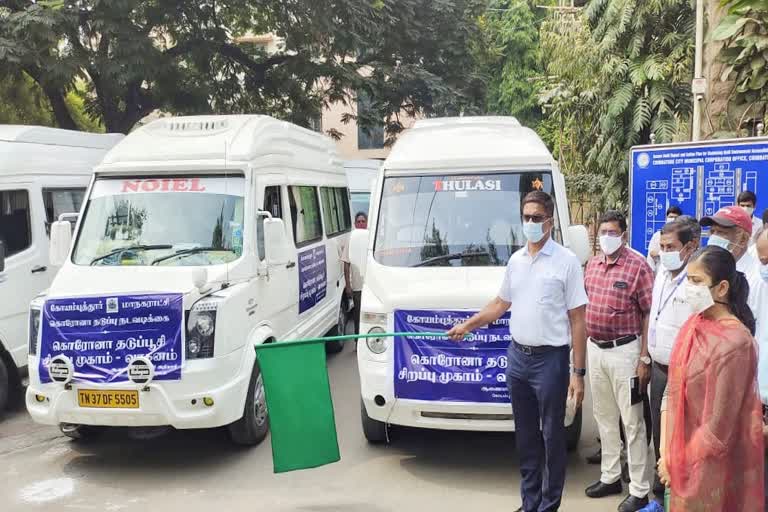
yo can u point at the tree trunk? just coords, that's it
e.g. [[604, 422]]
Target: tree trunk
[[714, 112], [55, 97]]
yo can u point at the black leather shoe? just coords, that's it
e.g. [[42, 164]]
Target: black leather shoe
[[601, 490], [633, 504], [596, 457]]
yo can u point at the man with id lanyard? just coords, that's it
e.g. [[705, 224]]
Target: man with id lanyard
[[669, 311]]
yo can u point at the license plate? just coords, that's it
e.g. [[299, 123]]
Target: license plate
[[108, 399]]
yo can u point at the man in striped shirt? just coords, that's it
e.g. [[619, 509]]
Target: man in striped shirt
[[619, 285]]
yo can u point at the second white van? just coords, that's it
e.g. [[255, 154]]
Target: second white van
[[445, 219], [201, 237]]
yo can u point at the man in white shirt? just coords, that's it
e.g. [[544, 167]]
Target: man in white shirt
[[673, 212], [353, 280], [669, 311], [543, 290], [731, 229], [747, 200], [758, 302]]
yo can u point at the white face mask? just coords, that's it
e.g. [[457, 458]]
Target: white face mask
[[749, 209], [533, 231], [698, 297], [719, 241], [764, 272], [671, 219], [610, 244], [671, 260]]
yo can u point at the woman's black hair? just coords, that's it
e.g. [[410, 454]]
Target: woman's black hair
[[720, 266]]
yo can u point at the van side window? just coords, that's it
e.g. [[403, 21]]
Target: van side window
[[273, 203], [336, 210], [61, 200], [15, 223], [305, 214]]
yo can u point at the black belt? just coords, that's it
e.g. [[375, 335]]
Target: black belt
[[531, 350], [614, 343]]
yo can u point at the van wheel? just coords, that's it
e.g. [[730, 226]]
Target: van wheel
[[252, 428], [573, 432], [5, 385], [375, 431], [334, 347]]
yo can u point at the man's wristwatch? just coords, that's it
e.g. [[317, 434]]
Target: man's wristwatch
[[646, 360], [581, 372]]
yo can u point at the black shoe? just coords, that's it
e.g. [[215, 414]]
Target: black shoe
[[633, 504], [596, 457], [601, 490]]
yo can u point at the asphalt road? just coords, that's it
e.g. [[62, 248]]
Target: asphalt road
[[201, 471]]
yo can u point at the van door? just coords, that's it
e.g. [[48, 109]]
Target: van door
[[22, 229], [278, 294]]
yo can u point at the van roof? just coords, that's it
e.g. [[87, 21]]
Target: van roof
[[57, 137], [468, 142], [217, 139]]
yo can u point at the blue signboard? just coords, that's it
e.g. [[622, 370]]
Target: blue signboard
[[102, 335], [438, 369], [700, 178], [313, 280]]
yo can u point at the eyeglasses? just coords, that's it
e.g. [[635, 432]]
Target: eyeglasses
[[610, 232], [538, 219]]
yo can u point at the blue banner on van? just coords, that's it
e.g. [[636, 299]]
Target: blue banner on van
[[102, 335], [437, 369], [313, 278]]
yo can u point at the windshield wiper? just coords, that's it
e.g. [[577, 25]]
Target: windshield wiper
[[131, 248], [186, 252], [449, 257]]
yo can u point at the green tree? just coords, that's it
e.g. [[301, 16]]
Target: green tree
[[21, 101], [509, 55], [744, 32], [136, 56]]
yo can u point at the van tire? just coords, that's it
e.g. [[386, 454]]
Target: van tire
[[252, 428], [375, 431], [573, 432], [334, 347], [5, 385]]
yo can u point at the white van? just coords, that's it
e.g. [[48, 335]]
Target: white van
[[445, 218], [361, 176], [44, 172], [201, 237]]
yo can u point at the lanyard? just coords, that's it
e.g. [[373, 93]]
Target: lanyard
[[672, 293]]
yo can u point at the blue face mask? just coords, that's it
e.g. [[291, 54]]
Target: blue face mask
[[719, 241], [764, 272], [533, 231]]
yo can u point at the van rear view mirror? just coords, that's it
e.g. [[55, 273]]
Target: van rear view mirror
[[358, 250], [276, 245], [578, 241], [61, 241], [2, 256]]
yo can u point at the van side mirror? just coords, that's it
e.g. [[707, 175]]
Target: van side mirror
[[358, 250], [61, 242], [276, 246], [2, 256], [578, 241]]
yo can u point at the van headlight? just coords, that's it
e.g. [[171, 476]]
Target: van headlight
[[201, 330], [376, 345], [34, 329]]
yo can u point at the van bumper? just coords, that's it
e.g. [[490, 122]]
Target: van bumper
[[224, 379]]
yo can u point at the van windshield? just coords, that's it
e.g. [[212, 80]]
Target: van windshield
[[454, 220], [175, 221]]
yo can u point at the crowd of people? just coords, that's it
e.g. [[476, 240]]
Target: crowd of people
[[686, 327]]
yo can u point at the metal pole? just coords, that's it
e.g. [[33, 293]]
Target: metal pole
[[698, 97]]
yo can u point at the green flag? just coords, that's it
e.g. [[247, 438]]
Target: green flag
[[299, 400], [299, 404]]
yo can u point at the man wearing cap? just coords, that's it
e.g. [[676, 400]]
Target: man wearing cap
[[731, 229]]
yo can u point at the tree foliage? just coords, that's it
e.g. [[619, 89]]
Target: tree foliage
[[617, 74], [744, 32], [135, 56], [510, 58]]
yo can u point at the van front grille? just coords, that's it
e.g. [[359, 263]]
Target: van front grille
[[466, 416]]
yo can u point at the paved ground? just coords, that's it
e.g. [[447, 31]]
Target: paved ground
[[201, 471]]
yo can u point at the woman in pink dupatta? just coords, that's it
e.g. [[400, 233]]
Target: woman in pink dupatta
[[713, 460]]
